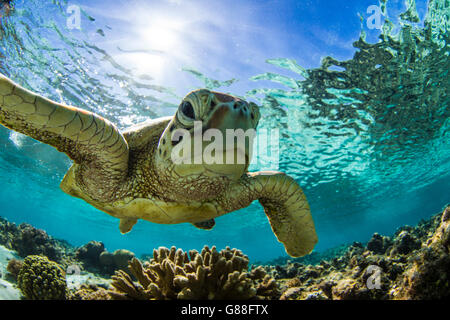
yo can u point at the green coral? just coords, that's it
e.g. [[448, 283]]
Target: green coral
[[41, 279]]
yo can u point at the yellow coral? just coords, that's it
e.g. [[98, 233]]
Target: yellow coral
[[89, 292], [41, 279]]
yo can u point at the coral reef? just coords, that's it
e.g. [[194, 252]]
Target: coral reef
[[119, 259], [313, 258], [41, 279], [13, 267], [413, 264], [378, 244], [6, 6], [28, 240], [32, 241], [173, 274], [8, 232], [95, 257], [89, 292], [429, 274], [90, 253]]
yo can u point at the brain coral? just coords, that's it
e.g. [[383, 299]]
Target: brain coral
[[41, 279], [173, 274]]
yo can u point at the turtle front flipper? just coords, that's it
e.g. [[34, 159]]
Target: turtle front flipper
[[91, 141], [285, 205]]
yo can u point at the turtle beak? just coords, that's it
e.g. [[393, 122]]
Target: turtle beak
[[233, 113], [236, 118]]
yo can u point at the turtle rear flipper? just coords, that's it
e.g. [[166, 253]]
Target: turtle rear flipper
[[205, 225], [126, 224], [90, 140]]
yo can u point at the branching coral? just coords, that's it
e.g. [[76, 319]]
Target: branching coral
[[174, 274], [41, 279]]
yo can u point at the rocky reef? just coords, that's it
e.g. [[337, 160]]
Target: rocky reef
[[6, 6], [414, 263], [28, 240], [96, 258]]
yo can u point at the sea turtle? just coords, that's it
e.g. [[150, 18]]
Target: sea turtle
[[132, 175]]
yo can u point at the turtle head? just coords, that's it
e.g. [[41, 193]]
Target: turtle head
[[211, 135]]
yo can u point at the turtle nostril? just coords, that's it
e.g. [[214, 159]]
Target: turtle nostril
[[212, 104], [236, 105]]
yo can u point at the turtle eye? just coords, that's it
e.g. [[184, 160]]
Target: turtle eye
[[188, 110]]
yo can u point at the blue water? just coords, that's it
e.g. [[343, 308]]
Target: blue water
[[366, 133]]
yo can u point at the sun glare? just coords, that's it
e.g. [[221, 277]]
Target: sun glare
[[155, 42], [159, 38], [160, 35], [143, 63]]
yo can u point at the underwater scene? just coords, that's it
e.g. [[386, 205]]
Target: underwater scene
[[224, 150]]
